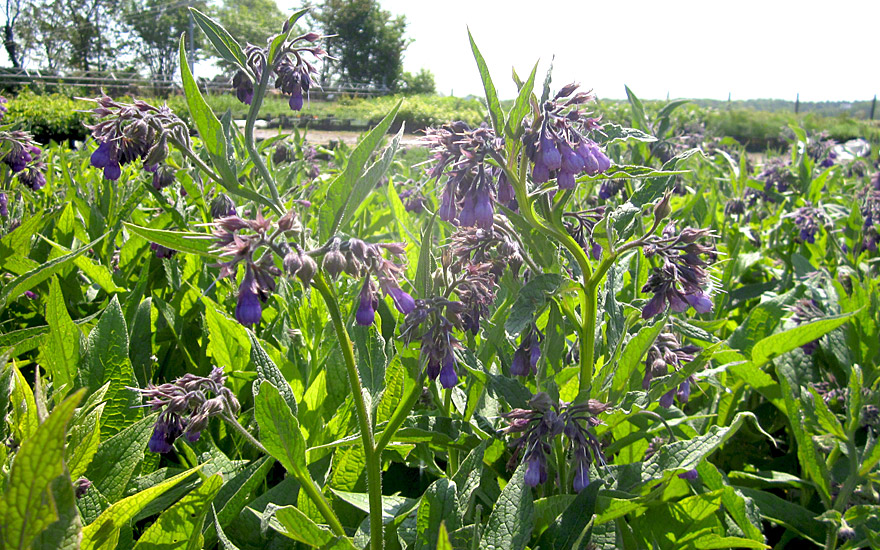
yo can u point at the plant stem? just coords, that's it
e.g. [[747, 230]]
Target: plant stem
[[452, 453], [399, 415], [374, 470], [256, 103]]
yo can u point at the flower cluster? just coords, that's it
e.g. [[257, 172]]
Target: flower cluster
[[611, 188], [22, 155], [222, 206], [285, 153], [294, 73], [776, 175], [431, 321], [473, 185], [185, 407], [808, 220], [870, 209], [543, 422], [527, 355], [682, 280], [581, 229], [495, 246], [4, 205], [137, 131], [3, 108], [667, 353], [557, 144]]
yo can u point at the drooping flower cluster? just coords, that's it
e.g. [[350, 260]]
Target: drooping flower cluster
[[611, 188], [3, 108], [803, 311], [682, 281], [4, 204], [581, 229], [21, 154], [541, 424], [186, 405], [527, 355], [495, 246], [285, 153], [776, 175], [431, 321], [808, 219], [294, 73], [870, 209], [222, 206], [557, 141], [473, 185], [132, 132], [665, 355]]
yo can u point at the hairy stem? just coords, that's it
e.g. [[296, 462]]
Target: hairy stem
[[374, 473]]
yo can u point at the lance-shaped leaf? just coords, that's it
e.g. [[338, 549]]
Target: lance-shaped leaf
[[492, 102], [513, 517], [228, 48], [182, 241], [279, 429], [179, 527]]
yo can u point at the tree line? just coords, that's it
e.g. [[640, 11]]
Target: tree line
[[139, 37]]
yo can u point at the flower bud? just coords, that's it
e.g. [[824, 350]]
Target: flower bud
[[334, 263], [292, 262], [307, 270], [662, 209], [222, 206]]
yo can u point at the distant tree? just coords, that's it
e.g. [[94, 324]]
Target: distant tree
[[44, 32], [370, 43], [13, 9], [158, 26], [421, 82], [250, 21]]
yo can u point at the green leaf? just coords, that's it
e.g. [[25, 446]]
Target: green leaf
[[423, 283], [371, 359], [182, 241], [532, 297], [85, 434], [64, 533], [17, 286], [279, 429], [228, 48], [468, 477], [443, 542], [338, 203], [782, 342], [207, 123], [118, 457], [740, 508], [571, 530], [228, 341], [96, 272], [61, 351], [180, 527], [103, 533], [366, 184], [266, 370], [492, 102], [234, 494], [638, 110], [296, 525], [27, 507], [438, 504], [687, 454], [106, 360], [513, 128], [811, 462], [761, 322], [789, 514], [615, 133], [510, 525], [225, 543], [392, 506], [631, 357]]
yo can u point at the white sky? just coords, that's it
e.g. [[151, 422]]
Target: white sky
[[686, 48]]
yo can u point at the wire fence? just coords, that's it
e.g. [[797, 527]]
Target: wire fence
[[115, 83]]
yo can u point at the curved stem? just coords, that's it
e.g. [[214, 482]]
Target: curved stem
[[374, 473], [256, 103], [305, 480], [399, 415]]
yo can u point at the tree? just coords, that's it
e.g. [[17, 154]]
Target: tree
[[421, 82], [12, 11], [370, 43], [158, 25], [250, 21]]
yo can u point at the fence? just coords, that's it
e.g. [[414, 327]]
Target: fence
[[128, 84]]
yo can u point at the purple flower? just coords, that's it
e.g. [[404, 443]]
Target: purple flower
[[448, 376], [667, 352], [483, 213], [167, 429], [366, 312], [30, 295], [80, 487], [248, 309], [550, 156], [689, 475], [296, 101], [402, 301], [540, 172], [581, 469], [536, 469], [244, 88], [4, 205]]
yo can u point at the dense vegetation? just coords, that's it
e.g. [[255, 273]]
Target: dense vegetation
[[562, 331]]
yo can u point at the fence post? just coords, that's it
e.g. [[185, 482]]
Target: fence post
[[873, 106], [797, 104]]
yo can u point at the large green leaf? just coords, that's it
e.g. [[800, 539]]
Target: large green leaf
[[423, 285], [179, 527], [228, 48], [266, 370], [513, 127], [339, 203], [235, 493], [106, 360], [118, 457], [513, 517], [279, 429], [492, 102], [182, 241], [296, 525], [570, 530], [17, 286], [371, 358], [103, 533], [438, 504], [61, 351], [783, 342], [532, 297], [27, 507]]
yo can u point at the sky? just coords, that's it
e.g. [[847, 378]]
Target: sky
[[681, 48]]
